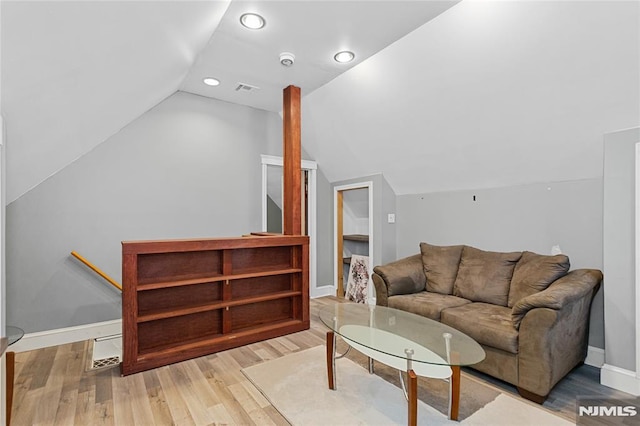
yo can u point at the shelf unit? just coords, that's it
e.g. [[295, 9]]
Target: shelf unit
[[359, 238], [187, 298]]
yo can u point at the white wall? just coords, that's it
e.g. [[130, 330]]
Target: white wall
[[190, 167], [355, 206]]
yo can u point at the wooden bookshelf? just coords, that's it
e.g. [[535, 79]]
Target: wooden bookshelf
[[187, 298]]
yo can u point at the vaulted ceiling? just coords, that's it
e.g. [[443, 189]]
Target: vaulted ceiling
[[442, 95], [488, 94], [75, 73]]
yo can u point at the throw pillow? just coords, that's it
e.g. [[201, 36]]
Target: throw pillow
[[534, 273], [485, 276], [440, 264]]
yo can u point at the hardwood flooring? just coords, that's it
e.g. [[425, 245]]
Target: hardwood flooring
[[54, 386]]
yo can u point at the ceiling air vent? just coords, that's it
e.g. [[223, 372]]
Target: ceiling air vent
[[244, 87]]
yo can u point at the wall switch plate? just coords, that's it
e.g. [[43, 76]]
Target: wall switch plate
[[391, 218]]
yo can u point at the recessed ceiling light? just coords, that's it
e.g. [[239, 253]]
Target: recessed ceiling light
[[210, 81], [252, 21], [344, 56]]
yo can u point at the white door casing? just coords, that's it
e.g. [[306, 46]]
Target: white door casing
[[311, 167], [336, 189]]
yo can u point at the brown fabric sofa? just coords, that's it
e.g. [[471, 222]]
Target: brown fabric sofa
[[529, 313]]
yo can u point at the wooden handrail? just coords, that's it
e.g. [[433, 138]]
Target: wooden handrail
[[97, 270]]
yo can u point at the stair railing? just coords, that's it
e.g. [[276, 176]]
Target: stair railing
[[97, 270]]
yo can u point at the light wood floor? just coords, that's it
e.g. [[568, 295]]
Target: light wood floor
[[54, 386]]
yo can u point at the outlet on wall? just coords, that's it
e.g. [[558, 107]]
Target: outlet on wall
[[391, 218]]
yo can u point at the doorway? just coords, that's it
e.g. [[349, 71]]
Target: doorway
[[272, 167], [353, 230]]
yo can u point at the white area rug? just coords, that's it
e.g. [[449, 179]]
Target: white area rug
[[296, 385]]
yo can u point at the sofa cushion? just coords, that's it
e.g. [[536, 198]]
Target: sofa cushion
[[425, 303], [534, 273], [440, 266], [486, 323], [485, 276]]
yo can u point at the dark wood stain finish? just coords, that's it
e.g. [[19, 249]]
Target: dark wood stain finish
[[187, 298]]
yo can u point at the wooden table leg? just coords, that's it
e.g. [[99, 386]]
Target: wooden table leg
[[331, 359], [454, 388], [412, 396], [11, 363]]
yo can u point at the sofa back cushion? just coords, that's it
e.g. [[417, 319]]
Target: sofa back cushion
[[440, 264], [534, 273], [485, 276]]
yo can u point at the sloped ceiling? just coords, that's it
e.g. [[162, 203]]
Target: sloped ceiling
[[313, 31], [487, 94], [484, 94], [75, 73]]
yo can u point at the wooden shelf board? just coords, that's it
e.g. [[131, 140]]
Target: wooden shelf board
[[177, 347], [179, 283], [247, 273], [211, 306], [356, 237], [217, 278], [212, 339]]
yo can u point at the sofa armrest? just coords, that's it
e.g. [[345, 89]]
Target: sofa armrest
[[574, 286], [554, 330], [403, 276]]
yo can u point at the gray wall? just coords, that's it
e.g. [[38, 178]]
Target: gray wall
[[324, 230], [529, 217], [274, 217], [619, 248], [190, 167]]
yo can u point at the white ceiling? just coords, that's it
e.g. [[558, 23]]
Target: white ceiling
[[488, 94], [482, 94], [75, 73], [313, 31]]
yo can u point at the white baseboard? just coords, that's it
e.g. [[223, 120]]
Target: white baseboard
[[620, 379], [325, 290], [595, 357], [61, 336]]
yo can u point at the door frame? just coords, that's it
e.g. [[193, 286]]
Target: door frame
[[337, 228], [311, 167], [637, 260]]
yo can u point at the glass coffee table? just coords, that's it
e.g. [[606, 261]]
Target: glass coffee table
[[407, 342]]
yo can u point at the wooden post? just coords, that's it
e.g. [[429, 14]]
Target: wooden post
[[292, 201]]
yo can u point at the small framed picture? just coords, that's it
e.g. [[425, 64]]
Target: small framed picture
[[358, 279]]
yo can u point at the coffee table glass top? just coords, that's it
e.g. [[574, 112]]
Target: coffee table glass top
[[14, 334], [450, 346]]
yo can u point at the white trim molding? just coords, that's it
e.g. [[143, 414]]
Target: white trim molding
[[358, 185], [620, 379], [325, 290], [62, 336], [637, 261], [595, 357], [312, 212]]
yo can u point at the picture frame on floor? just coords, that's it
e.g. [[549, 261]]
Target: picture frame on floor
[[358, 279]]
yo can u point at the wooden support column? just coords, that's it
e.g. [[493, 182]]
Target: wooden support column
[[292, 201]]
